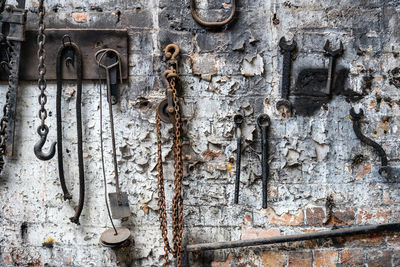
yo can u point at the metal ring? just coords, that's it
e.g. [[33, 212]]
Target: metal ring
[[211, 24], [263, 120], [66, 36]]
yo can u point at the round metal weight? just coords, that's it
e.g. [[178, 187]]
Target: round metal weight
[[162, 111], [109, 239]]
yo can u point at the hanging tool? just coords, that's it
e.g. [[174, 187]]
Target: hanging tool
[[110, 61], [43, 129], [72, 56], [263, 121], [332, 54], [12, 34], [115, 236], [284, 105], [169, 111], [238, 119], [356, 118], [211, 24]]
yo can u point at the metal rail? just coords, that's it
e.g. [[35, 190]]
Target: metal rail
[[351, 231]]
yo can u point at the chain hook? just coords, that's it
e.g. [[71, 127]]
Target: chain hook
[[43, 132], [171, 55]]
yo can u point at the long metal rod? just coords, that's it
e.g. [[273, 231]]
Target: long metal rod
[[391, 227]]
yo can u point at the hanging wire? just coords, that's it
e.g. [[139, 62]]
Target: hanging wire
[[102, 158]]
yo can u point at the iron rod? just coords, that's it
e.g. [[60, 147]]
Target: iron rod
[[392, 227]]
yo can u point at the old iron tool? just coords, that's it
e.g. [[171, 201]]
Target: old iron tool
[[119, 200], [166, 109], [43, 129], [356, 117], [332, 54], [171, 113], [12, 34], [115, 236], [238, 119], [211, 24], [70, 49], [263, 121], [284, 105]]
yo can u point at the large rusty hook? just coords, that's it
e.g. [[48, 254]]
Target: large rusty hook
[[211, 24], [39, 145], [175, 51]]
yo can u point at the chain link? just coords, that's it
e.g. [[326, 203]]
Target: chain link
[[42, 84], [177, 200], [12, 78]]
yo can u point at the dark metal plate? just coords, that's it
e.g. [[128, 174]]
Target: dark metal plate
[[89, 41], [119, 210]]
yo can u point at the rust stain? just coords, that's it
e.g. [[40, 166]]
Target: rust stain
[[79, 17], [210, 154]]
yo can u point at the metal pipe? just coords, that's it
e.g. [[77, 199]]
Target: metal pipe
[[391, 227]]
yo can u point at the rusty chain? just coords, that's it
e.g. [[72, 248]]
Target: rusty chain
[[6, 108], [177, 200], [43, 129]]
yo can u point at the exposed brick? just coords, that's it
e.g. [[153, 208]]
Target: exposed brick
[[378, 258], [315, 216], [325, 258], [286, 218], [259, 233], [352, 257], [300, 259], [365, 216], [343, 217], [274, 258], [369, 240]]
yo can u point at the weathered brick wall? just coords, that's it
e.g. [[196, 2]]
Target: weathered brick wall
[[315, 183]]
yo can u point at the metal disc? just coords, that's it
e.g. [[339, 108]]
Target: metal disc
[[109, 239], [162, 111]]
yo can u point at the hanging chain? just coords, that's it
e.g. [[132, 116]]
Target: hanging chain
[[6, 108], [177, 200], [43, 129], [41, 40]]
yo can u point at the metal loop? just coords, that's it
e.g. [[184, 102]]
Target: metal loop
[[263, 120], [102, 54], [211, 24], [66, 36]]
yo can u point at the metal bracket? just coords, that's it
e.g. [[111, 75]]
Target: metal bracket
[[12, 25], [89, 40]]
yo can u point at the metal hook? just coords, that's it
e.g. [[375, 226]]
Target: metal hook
[[167, 51], [104, 52], [66, 36], [212, 24], [39, 145]]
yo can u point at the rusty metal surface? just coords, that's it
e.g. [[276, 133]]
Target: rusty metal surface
[[90, 41], [15, 19]]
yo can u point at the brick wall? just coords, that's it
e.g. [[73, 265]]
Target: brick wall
[[315, 182]]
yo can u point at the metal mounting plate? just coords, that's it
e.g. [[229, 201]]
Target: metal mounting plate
[[89, 41]]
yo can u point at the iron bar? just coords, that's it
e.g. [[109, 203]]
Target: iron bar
[[351, 231]]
